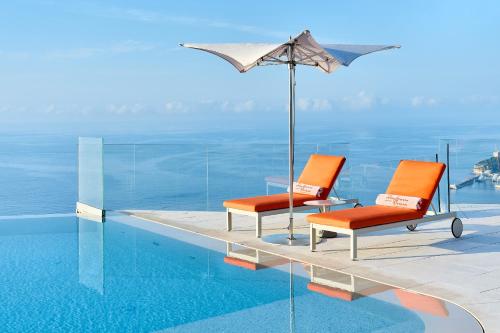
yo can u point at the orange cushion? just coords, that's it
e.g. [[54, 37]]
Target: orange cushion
[[322, 171], [356, 218], [264, 203], [241, 263], [416, 179], [421, 303], [331, 292]]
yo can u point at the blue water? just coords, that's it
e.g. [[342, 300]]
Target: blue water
[[197, 171], [64, 274]]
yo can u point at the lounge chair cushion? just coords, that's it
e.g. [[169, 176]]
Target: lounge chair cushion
[[416, 179], [322, 171], [267, 202], [357, 218], [421, 303], [332, 292], [242, 263]]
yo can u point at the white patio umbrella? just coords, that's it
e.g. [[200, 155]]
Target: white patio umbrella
[[301, 50]]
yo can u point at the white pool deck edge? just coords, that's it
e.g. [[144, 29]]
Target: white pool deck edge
[[464, 271]]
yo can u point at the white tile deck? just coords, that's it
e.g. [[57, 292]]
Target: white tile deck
[[464, 271]]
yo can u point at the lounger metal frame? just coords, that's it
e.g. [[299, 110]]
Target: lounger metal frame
[[238, 255], [359, 287], [259, 215], [351, 286], [256, 256], [354, 233]]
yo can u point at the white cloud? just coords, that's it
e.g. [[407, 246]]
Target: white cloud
[[128, 46], [303, 104], [480, 99], [321, 104], [51, 109], [385, 100], [149, 16], [14, 55], [420, 101], [313, 104], [132, 14], [230, 106], [244, 106], [361, 101], [123, 109], [5, 109], [175, 107]]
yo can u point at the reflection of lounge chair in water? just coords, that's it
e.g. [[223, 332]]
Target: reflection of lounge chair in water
[[251, 259], [349, 288], [412, 179], [320, 170], [342, 286], [421, 303]]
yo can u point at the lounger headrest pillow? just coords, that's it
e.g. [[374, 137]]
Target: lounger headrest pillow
[[302, 188], [402, 201]]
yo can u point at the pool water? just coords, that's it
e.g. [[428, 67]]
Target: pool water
[[67, 274]]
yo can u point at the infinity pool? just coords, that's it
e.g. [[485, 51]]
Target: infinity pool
[[65, 274]]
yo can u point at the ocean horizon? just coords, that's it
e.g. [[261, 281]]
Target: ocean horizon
[[198, 170]]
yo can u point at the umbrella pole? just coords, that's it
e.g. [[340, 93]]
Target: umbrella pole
[[290, 239], [291, 138]]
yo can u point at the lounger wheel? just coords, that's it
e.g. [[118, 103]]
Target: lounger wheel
[[457, 227], [357, 205], [411, 227]]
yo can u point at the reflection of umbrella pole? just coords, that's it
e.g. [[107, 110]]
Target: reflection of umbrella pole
[[292, 302], [208, 265], [291, 139]]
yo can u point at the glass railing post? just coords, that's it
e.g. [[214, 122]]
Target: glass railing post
[[90, 178], [207, 194], [438, 189], [448, 175]]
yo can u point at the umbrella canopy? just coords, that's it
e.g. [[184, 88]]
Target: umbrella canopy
[[301, 50], [306, 51]]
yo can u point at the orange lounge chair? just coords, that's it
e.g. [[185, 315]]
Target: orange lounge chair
[[320, 170], [411, 178]]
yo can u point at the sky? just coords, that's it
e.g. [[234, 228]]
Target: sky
[[117, 64]]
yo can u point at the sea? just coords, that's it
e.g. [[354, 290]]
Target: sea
[[198, 170]]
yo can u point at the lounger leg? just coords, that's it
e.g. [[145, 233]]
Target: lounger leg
[[312, 238], [354, 246], [229, 220], [258, 227]]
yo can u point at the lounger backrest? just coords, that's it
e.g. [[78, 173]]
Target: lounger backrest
[[416, 179], [322, 170]]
